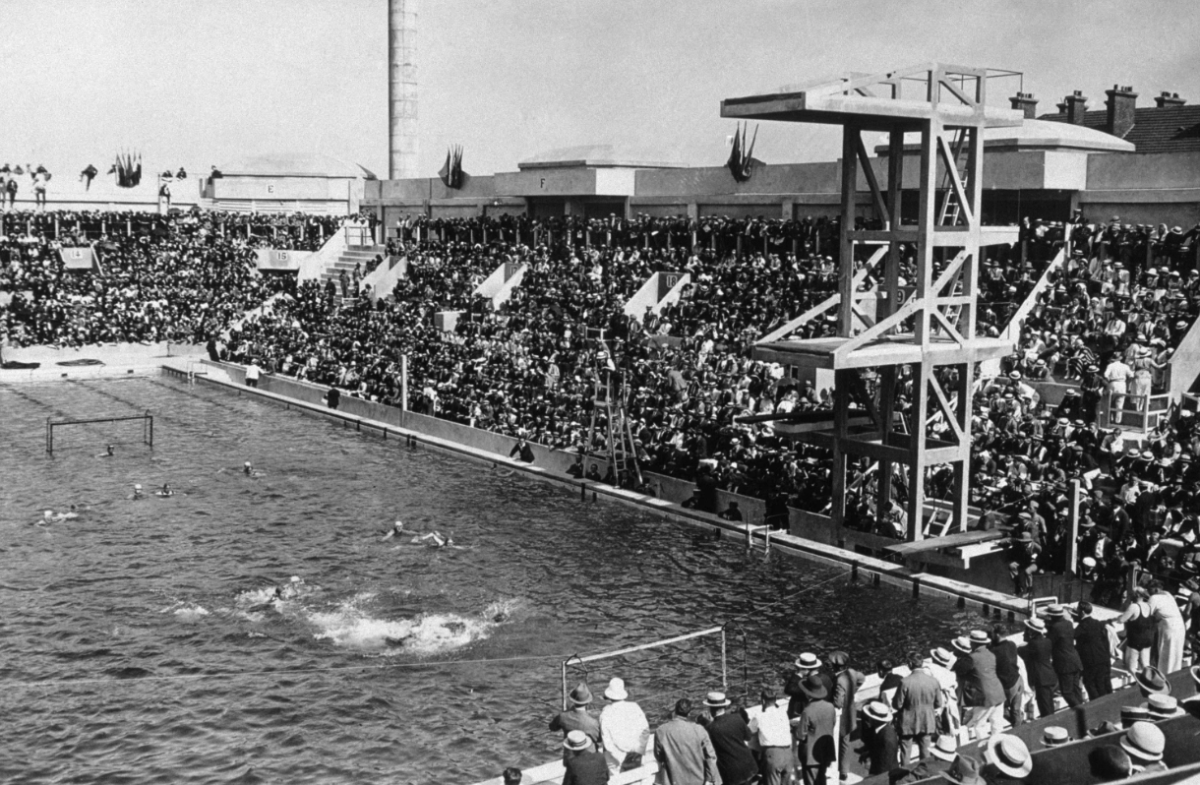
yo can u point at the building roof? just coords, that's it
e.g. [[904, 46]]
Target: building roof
[[601, 155], [293, 165], [1169, 129]]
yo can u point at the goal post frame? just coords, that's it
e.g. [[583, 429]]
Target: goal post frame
[[577, 660], [147, 427]]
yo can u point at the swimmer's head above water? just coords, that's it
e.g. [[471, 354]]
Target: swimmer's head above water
[[247, 468], [108, 448], [137, 489]]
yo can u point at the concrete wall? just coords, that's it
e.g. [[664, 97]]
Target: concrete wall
[[281, 188]]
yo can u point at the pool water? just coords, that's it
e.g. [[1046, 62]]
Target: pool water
[[143, 641]]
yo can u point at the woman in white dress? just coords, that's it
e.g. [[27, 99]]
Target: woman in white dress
[[1172, 632]]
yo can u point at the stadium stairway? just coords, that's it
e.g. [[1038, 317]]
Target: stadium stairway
[[349, 257]]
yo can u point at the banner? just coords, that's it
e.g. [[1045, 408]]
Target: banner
[[272, 259], [79, 258]]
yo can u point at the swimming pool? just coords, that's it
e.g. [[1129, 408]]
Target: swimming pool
[[141, 641]]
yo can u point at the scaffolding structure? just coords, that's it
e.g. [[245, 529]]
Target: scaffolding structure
[[610, 417], [927, 325]]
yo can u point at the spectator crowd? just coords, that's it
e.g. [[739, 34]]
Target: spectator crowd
[[953, 711]]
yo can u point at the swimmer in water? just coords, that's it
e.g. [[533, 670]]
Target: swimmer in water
[[165, 491], [291, 589], [108, 452], [50, 516], [435, 540], [396, 530], [247, 469], [137, 492]]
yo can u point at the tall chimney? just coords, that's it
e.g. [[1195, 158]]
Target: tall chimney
[[1025, 102], [1076, 106], [1168, 99], [402, 89], [1121, 103]]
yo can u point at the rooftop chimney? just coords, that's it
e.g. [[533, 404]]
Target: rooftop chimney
[[1168, 99], [402, 89], [1027, 103], [1121, 102], [1076, 106]]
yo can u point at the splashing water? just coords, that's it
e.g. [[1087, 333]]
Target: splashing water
[[351, 626]]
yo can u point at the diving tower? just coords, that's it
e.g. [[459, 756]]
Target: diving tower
[[920, 329]]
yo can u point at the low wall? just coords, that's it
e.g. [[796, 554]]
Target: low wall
[[987, 572]]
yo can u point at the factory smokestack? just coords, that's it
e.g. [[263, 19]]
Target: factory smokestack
[[402, 89]]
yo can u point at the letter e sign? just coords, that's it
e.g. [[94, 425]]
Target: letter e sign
[[271, 188]]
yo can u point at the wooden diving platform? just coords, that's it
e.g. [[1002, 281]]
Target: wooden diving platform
[[897, 349]]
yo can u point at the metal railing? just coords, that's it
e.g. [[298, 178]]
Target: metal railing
[[359, 236]]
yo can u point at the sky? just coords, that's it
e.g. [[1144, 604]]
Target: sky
[[203, 82]]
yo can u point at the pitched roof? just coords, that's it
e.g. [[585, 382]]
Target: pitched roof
[[1169, 129]]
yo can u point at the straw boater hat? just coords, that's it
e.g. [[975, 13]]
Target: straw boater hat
[[1152, 680], [980, 638], [581, 695], [1144, 742], [1053, 736], [716, 700], [808, 661], [1008, 754], [615, 691], [576, 740], [962, 644], [1056, 610], [945, 748], [1163, 707], [942, 657], [878, 711]]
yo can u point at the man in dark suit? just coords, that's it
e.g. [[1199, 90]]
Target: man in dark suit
[[584, 766], [730, 737], [881, 745], [1091, 641], [1067, 665], [1009, 673], [814, 731], [846, 684], [577, 718], [919, 700], [1039, 665]]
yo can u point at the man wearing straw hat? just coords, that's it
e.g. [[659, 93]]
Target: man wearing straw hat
[[583, 764], [684, 750], [1039, 666], [881, 745], [1144, 743], [1007, 757], [731, 739], [578, 717]]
